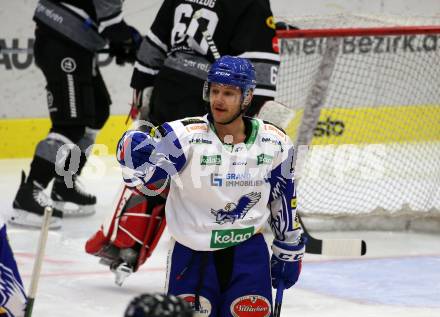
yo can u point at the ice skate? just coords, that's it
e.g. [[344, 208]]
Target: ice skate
[[121, 270], [74, 201], [29, 205]]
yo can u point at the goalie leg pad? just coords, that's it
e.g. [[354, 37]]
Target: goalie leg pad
[[154, 231], [133, 223], [137, 224], [97, 242]]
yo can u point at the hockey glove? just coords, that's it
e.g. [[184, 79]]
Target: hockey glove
[[141, 99], [286, 262], [134, 150], [125, 51]]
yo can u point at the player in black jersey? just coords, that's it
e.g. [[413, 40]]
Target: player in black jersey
[[170, 69], [68, 34], [175, 56]]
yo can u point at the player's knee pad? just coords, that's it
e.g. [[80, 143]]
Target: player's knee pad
[[87, 140], [136, 223], [67, 157], [50, 147], [83, 138]]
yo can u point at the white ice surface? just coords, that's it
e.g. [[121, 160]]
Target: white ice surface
[[399, 277]]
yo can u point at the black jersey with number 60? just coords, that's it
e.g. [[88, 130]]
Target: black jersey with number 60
[[177, 45]]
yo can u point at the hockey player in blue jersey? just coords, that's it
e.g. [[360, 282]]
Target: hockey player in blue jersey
[[228, 175]]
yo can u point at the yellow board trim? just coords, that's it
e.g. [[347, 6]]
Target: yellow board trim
[[378, 125], [19, 137], [362, 125]]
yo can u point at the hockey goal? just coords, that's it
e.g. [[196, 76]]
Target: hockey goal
[[366, 99]]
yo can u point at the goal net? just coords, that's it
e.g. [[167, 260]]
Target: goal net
[[365, 92]]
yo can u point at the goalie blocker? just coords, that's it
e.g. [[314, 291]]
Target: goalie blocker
[[130, 235]]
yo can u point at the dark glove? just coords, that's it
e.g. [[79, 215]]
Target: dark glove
[[125, 51], [286, 262], [141, 99]]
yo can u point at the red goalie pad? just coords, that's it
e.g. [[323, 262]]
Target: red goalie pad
[[137, 224], [133, 223], [153, 233]]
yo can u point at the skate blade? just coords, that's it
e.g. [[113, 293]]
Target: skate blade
[[71, 210], [122, 271], [27, 219]]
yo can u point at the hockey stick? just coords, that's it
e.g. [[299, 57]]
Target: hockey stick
[[38, 261], [207, 36], [334, 247], [278, 300]]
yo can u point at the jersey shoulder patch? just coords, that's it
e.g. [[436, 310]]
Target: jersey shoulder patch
[[194, 125], [195, 120], [270, 128], [270, 123]]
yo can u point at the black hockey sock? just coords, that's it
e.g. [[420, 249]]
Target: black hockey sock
[[42, 171]]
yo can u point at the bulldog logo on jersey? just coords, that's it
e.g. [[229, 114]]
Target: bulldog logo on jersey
[[231, 212]]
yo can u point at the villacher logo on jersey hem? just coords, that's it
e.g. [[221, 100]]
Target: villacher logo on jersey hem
[[254, 305]]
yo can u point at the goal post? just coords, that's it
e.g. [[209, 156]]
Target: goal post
[[367, 109]]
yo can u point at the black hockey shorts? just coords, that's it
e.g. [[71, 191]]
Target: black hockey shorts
[[76, 92]]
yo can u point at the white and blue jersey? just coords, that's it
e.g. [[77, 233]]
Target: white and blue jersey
[[12, 294], [221, 194]]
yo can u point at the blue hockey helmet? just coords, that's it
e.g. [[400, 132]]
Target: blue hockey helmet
[[232, 71]]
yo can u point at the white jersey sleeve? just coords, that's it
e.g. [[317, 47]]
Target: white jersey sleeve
[[282, 200]]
